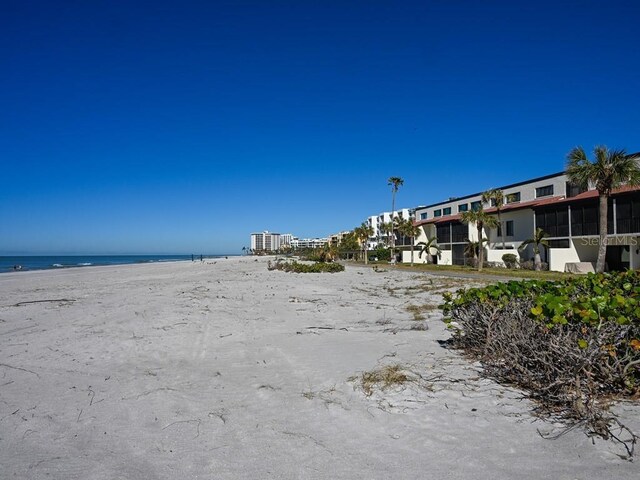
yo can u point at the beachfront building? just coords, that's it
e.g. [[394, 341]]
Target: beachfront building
[[336, 238], [567, 213], [285, 240], [307, 243], [265, 242], [381, 237]]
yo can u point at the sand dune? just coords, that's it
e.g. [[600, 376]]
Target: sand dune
[[227, 370]]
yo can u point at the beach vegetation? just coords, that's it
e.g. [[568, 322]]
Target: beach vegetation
[[609, 170], [573, 345], [386, 377], [298, 267]]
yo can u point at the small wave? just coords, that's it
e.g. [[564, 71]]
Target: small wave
[[85, 264], [58, 265]]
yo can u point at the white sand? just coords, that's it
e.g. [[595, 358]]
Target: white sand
[[191, 370]]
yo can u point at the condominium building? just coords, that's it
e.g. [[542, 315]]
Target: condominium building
[[304, 243], [265, 242], [568, 214], [381, 237]]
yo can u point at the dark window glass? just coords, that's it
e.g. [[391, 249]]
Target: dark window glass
[[513, 197], [463, 207], [509, 225], [446, 211], [423, 216], [443, 234], [544, 191], [590, 220], [459, 232], [573, 190], [564, 243], [475, 206], [437, 213]]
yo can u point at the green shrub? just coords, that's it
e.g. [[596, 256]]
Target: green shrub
[[572, 344], [296, 267], [382, 254], [510, 260]]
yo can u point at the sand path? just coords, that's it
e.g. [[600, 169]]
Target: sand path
[[226, 370]]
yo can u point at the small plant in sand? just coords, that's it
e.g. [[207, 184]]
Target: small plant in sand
[[383, 378]]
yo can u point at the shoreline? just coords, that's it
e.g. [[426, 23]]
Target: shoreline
[[225, 369]]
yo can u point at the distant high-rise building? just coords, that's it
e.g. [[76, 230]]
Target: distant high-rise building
[[265, 242]]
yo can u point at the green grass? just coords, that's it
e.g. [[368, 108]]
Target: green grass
[[503, 272]]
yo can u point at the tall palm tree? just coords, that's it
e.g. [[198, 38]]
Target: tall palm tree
[[395, 183], [363, 233], [481, 219], [611, 169], [539, 238], [497, 196], [411, 230], [427, 247]]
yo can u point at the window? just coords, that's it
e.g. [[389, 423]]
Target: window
[[544, 191], [459, 232], [423, 216], [437, 213], [564, 243], [573, 190], [554, 221], [475, 206], [446, 211], [627, 214], [463, 207], [513, 197], [509, 225], [443, 234], [584, 219]]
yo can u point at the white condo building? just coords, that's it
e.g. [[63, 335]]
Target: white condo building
[[568, 214], [376, 221], [265, 242]]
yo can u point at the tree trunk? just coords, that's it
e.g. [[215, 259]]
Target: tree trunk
[[366, 254], [392, 240], [537, 261], [412, 251], [480, 249], [501, 229], [602, 245]]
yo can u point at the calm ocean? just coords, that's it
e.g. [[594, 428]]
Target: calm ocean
[[8, 264]]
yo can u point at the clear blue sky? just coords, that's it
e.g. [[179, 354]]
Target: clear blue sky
[[180, 127]]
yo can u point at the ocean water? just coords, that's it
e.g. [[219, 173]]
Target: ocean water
[[23, 263]]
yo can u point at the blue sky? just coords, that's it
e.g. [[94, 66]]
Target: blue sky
[[180, 127]]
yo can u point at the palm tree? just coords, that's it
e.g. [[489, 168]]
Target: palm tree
[[387, 229], [363, 233], [428, 246], [539, 238], [472, 248], [409, 229], [497, 196], [611, 169], [395, 183], [481, 219]]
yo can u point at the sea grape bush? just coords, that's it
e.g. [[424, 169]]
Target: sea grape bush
[[572, 343], [297, 267]]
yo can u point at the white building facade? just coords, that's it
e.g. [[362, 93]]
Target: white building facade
[[265, 242], [568, 214]]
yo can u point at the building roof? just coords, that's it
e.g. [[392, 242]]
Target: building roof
[[543, 202]]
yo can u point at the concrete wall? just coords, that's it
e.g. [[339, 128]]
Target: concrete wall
[[558, 257]]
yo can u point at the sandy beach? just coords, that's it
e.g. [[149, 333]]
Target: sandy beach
[[226, 370]]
